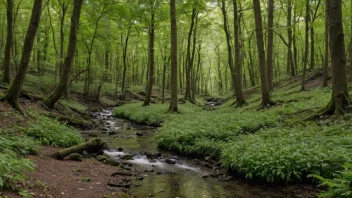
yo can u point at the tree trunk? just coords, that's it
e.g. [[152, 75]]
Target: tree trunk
[[228, 43], [290, 66], [340, 98], [64, 8], [238, 62], [189, 63], [12, 95], [266, 101], [270, 44], [124, 57], [67, 66], [151, 77], [326, 38], [306, 51], [9, 13]]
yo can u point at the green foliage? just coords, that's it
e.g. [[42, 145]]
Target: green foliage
[[17, 145], [52, 132], [288, 154], [12, 169], [12, 166], [338, 187], [201, 133], [73, 104], [155, 114]]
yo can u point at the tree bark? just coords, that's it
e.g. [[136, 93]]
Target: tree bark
[[9, 38], [339, 97], [270, 44], [67, 66], [12, 95], [306, 51], [290, 64], [326, 38], [151, 61], [238, 62], [266, 101]]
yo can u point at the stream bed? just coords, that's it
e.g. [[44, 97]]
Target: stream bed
[[163, 174]]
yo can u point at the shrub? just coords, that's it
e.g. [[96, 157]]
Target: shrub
[[12, 169], [288, 154], [51, 132], [17, 145], [202, 133], [154, 114], [338, 187]]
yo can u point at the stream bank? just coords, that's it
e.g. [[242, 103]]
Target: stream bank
[[163, 174]]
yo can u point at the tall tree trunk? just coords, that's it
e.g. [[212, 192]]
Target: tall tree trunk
[[67, 66], [238, 61], [270, 44], [189, 63], [228, 44], [290, 64], [64, 8], [326, 39], [12, 94], [9, 13], [124, 56], [151, 77], [306, 51], [340, 99], [350, 68], [312, 47], [266, 101]]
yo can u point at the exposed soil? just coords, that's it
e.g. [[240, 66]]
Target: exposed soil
[[68, 179]]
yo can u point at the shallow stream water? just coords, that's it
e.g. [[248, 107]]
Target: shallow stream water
[[185, 179]]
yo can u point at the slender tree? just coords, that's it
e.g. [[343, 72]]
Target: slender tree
[[270, 44], [12, 95], [238, 61], [70, 55], [266, 101], [151, 56], [9, 38], [306, 51], [174, 100]]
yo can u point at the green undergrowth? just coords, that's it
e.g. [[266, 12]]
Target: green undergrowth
[[52, 133], [154, 114], [289, 153], [73, 104], [13, 165], [17, 142], [338, 187], [266, 145]]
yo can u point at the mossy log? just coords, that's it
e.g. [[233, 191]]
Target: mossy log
[[91, 146], [77, 122]]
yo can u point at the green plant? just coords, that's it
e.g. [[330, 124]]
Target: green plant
[[52, 132], [338, 187], [12, 169]]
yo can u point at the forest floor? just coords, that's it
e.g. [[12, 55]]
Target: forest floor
[[53, 178], [57, 178]]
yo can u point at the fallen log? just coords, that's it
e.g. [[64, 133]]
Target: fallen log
[[91, 146]]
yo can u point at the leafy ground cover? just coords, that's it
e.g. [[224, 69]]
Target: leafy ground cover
[[267, 145]]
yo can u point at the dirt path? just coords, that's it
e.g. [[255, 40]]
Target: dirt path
[[68, 179]]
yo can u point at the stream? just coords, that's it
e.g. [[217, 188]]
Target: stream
[[165, 175]]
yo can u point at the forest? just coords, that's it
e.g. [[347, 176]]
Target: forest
[[176, 98]]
